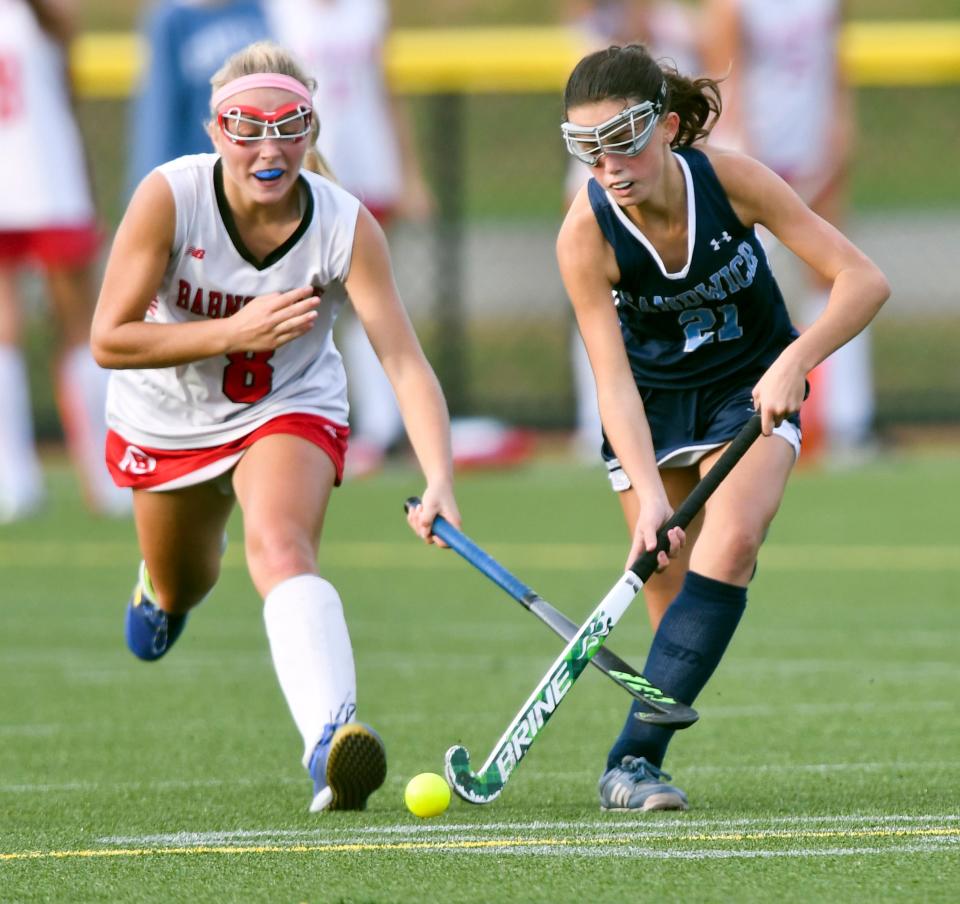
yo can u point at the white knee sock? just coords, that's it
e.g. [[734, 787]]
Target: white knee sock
[[311, 653], [21, 479], [82, 394]]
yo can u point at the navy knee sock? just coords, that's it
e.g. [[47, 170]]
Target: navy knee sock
[[687, 647]]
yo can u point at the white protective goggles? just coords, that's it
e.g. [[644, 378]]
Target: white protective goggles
[[241, 124], [627, 133]]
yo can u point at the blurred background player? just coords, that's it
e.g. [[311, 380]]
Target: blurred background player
[[47, 221], [368, 141], [787, 103], [187, 42], [669, 29]]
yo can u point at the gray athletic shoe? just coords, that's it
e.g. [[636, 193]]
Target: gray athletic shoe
[[636, 785]]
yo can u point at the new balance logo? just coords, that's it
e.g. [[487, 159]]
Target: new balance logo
[[198, 253], [725, 237]]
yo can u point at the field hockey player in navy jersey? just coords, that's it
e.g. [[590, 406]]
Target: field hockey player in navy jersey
[[688, 335]]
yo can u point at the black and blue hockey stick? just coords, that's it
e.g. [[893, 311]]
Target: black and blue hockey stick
[[661, 709], [485, 786]]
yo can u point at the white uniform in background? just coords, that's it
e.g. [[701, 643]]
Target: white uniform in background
[[788, 98], [215, 400], [43, 182], [47, 219], [340, 42], [788, 104]]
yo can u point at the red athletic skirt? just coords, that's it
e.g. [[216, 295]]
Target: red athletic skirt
[[146, 468], [74, 246]]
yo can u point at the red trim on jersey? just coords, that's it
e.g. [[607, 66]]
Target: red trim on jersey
[[143, 467], [69, 246]]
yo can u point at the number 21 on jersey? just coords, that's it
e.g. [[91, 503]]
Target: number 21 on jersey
[[698, 326]]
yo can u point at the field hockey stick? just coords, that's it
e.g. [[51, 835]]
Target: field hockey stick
[[485, 786], [661, 708]]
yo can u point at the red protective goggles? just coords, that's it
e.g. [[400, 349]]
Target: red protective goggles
[[241, 124]]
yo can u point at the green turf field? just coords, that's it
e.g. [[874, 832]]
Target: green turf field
[[825, 766]]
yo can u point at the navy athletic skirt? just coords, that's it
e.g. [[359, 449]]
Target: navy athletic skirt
[[687, 423]]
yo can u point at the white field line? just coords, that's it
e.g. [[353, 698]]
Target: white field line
[[17, 664], [824, 767], [928, 847], [677, 826], [543, 775], [554, 556], [823, 709], [54, 658], [925, 838], [881, 670], [30, 731], [553, 777], [614, 848], [26, 730], [674, 837], [159, 785]]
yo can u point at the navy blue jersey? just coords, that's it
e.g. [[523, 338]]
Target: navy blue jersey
[[721, 315]]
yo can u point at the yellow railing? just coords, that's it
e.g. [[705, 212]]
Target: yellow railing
[[533, 59]]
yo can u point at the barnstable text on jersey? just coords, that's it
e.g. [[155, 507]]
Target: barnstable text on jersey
[[208, 302]]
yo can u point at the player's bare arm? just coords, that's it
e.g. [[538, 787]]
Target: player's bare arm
[[579, 246], [759, 196], [375, 298], [121, 338]]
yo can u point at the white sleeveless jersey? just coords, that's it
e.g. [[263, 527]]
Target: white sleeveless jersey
[[211, 275], [789, 77], [43, 176], [341, 44]]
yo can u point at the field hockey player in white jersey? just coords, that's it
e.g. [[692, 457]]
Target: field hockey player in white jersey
[[218, 301]]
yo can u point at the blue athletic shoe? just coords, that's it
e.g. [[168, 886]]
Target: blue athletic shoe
[[348, 764], [637, 785], [150, 631]]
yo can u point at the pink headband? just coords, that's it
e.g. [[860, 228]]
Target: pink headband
[[260, 80]]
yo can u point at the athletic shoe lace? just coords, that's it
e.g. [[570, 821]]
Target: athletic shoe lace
[[346, 712], [642, 771]]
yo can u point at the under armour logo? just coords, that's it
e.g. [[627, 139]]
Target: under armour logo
[[198, 253], [136, 461], [715, 243]]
